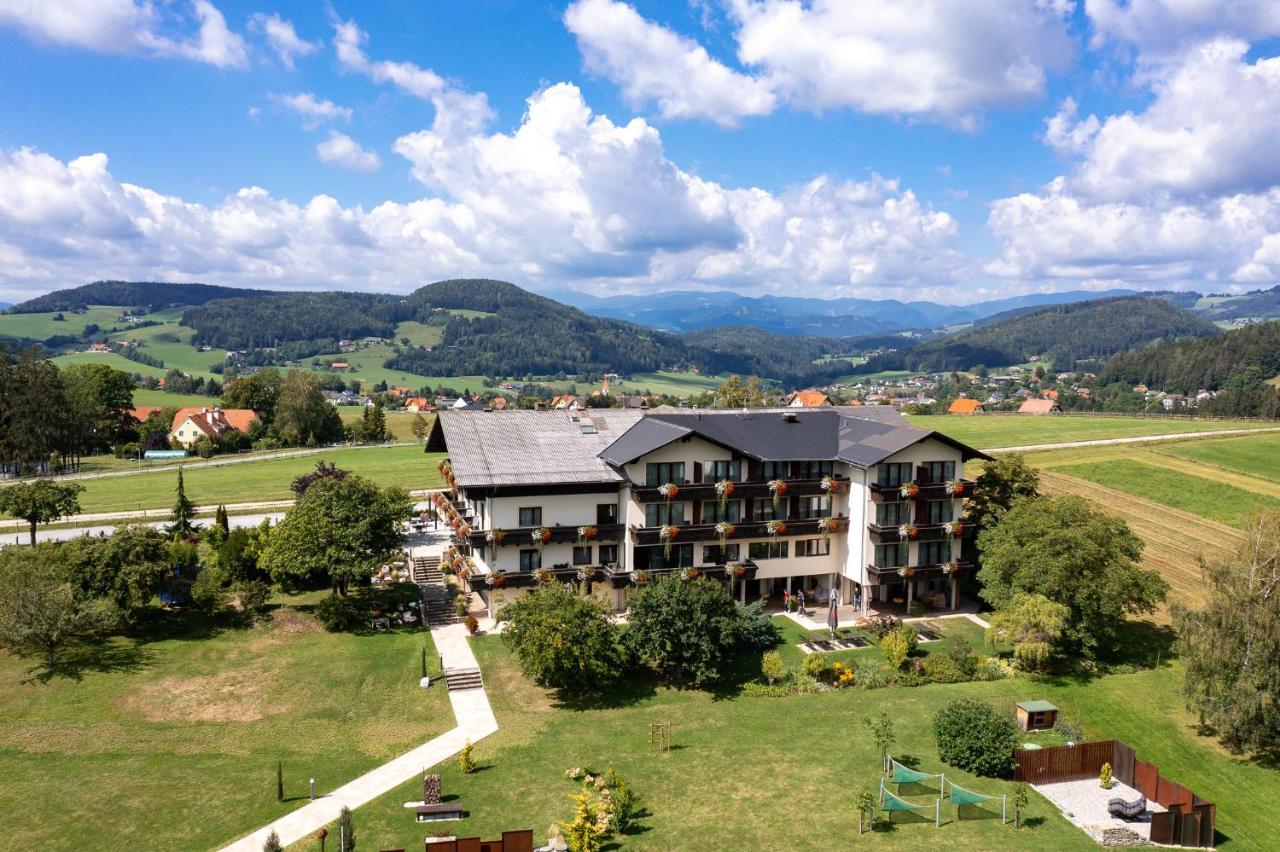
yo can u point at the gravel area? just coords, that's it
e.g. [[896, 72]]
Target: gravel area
[[1085, 804]]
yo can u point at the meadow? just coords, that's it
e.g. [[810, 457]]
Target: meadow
[[260, 480], [169, 738], [42, 325], [989, 431], [781, 773], [1254, 455]]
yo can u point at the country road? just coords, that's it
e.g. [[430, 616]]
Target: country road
[[1140, 439]]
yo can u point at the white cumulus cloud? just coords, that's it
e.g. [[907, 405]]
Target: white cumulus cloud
[[939, 60], [343, 151], [1159, 29], [314, 111], [282, 38]]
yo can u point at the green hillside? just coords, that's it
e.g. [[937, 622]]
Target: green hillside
[[153, 294]]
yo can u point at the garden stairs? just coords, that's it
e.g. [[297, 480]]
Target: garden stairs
[[463, 678], [436, 597]]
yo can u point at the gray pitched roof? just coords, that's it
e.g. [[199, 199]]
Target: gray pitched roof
[[489, 448]]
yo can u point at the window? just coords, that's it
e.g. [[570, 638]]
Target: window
[[582, 554], [812, 469], [660, 514], [813, 547], [713, 514], [660, 473], [531, 516], [714, 471], [530, 560], [650, 558], [768, 549], [893, 473], [940, 511], [608, 554], [771, 470], [766, 512], [713, 554], [892, 514], [606, 513], [891, 555], [815, 507], [939, 471], [934, 552]]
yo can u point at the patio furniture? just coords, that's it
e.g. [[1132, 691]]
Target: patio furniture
[[1127, 810]]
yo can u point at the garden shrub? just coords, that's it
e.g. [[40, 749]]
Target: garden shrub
[[252, 594], [816, 666], [338, 613], [896, 648], [772, 668], [976, 737], [881, 626], [207, 591], [940, 668], [873, 676], [753, 689]]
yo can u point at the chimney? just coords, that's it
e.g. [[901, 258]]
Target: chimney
[[790, 417]]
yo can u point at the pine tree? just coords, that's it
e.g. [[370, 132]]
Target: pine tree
[[183, 511], [346, 831], [273, 843], [220, 520], [466, 762]]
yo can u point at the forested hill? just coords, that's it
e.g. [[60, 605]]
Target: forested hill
[[1240, 359], [1063, 334], [520, 333], [788, 358], [289, 317], [133, 294]]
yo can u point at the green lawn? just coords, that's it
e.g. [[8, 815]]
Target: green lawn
[[111, 359], [1014, 430], [170, 741], [679, 384], [143, 397], [266, 479], [780, 773], [1256, 455], [1208, 498], [419, 334], [399, 422], [177, 352], [950, 629]]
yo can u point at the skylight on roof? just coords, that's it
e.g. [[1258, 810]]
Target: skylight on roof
[[587, 428]]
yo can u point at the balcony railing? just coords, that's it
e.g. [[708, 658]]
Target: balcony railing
[[891, 533], [926, 491], [916, 572], [741, 490], [747, 529], [523, 536]]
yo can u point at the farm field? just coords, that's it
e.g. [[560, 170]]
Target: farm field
[[111, 359], [399, 422], [990, 431], [144, 397], [267, 479], [171, 343], [741, 777], [42, 325], [176, 731], [1201, 496], [1256, 456]]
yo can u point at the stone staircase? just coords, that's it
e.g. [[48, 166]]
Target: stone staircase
[[426, 571], [463, 679], [436, 600]]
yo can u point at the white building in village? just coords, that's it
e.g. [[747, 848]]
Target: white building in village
[[851, 499]]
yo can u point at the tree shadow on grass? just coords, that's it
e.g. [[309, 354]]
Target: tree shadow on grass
[[631, 689], [99, 656]]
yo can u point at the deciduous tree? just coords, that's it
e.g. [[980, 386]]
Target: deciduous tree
[[1034, 625], [40, 502], [563, 641], [302, 415], [1003, 480], [39, 609], [1076, 556], [1231, 646]]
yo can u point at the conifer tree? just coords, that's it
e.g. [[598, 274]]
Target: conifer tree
[[183, 511]]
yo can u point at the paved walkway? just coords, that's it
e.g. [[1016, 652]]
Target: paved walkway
[[475, 722], [847, 617]]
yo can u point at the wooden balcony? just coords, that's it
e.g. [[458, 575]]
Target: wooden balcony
[[642, 536], [924, 532], [698, 491], [928, 491], [917, 572], [522, 537]]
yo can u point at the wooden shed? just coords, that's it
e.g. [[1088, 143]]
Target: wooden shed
[[1036, 715]]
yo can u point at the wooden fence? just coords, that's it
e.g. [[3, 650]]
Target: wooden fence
[[1188, 820], [512, 841]]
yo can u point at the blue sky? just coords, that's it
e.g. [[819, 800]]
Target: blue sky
[[905, 149]]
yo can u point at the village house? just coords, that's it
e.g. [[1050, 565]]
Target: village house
[[1038, 406], [808, 399], [834, 499], [965, 406], [192, 424]]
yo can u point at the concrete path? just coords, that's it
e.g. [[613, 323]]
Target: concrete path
[[475, 722], [1140, 439]]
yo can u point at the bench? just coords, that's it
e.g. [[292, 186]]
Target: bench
[[438, 813]]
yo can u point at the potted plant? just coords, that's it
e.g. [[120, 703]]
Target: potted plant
[[496, 537], [724, 490], [948, 567], [953, 528], [668, 490], [587, 533], [955, 487], [540, 536], [639, 577], [738, 570], [724, 530], [778, 489], [829, 484], [665, 535], [497, 579], [827, 526], [473, 626], [909, 490], [908, 530], [544, 575], [689, 574], [775, 527]]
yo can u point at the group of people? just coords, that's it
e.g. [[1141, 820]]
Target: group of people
[[822, 595]]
